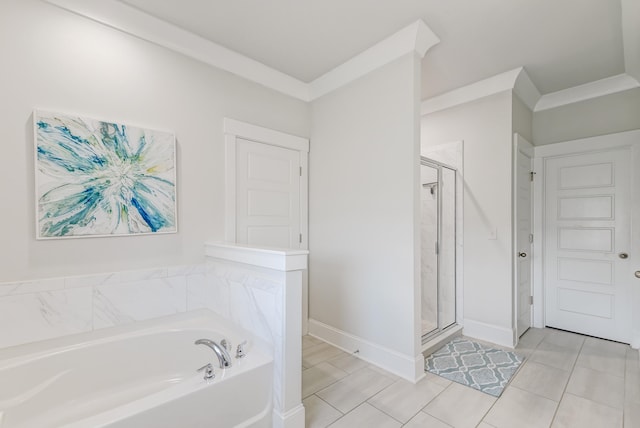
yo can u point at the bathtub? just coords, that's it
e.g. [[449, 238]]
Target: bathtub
[[136, 376]]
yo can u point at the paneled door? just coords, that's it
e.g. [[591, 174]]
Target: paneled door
[[267, 195], [523, 179], [587, 243]]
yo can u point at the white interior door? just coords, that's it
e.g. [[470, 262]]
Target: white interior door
[[523, 179], [267, 195], [587, 240]]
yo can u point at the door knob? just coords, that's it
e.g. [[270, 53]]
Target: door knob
[[522, 254], [637, 274], [623, 256]]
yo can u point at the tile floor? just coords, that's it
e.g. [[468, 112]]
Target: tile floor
[[567, 380]]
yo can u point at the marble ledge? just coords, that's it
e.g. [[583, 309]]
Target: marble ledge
[[281, 259]]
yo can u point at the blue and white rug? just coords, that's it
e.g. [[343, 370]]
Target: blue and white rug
[[474, 365]]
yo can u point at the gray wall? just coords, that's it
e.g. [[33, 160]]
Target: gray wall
[[598, 116], [364, 181], [55, 60], [485, 126]]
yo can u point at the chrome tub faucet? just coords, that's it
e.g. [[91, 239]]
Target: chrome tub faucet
[[223, 356]]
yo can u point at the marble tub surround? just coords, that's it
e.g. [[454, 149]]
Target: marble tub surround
[[260, 290], [40, 315], [52, 307]]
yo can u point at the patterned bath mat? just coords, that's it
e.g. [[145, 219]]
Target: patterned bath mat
[[474, 365]]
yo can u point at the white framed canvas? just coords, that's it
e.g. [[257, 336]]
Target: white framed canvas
[[99, 178]]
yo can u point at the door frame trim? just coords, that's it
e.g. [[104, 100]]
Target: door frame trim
[[629, 139], [234, 129], [520, 144]]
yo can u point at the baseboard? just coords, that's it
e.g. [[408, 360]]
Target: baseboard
[[489, 333], [407, 367], [294, 418]]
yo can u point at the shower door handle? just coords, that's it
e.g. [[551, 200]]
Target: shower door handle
[[522, 254]]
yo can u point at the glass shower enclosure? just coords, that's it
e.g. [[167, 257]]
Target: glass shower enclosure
[[438, 247]]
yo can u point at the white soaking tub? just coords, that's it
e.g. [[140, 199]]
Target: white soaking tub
[[138, 376]]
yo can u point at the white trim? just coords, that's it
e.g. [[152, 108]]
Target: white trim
[[230, 188], [294, 418], [599, 88], [407, 367], [526, 90], [516, 79], [522, 145], [260, 134], [538, 266], [416, 37], [304, 200], [519, 81], [584, 145], [304, 230], [489, 333], [235, 129], [132, 21], [280, 259]]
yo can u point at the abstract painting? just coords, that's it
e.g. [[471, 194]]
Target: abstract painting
[[99, 178]]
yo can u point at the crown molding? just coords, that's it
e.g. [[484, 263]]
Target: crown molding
[[416, 37], [526, 90], [130, 20], [599, 88], [517, 80]]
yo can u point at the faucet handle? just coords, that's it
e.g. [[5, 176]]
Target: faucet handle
[[226, 344], [208, 371], [240, 352]]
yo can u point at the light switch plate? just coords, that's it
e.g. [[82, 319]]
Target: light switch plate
[[493, 234]]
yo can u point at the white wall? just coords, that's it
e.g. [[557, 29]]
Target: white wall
[[598, 116], [485, 126], [522, 118], [56, 60], [364, 217]]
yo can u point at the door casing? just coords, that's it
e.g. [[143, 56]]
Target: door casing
[[235, 129], [521, 145]]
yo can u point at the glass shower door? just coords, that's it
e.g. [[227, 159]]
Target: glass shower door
[[438, 247], [428, 242]]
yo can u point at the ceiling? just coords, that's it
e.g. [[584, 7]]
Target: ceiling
[[561, 44]]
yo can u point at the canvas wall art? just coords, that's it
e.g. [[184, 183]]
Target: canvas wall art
[[99, 178]]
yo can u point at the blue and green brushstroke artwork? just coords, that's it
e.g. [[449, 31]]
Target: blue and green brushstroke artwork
[[96, 178]]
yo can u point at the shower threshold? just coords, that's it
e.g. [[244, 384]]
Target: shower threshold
[[433, 341]]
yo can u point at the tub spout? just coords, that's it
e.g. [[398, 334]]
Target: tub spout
[[223, 356]]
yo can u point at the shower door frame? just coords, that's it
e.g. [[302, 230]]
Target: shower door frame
[[439, 328]]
